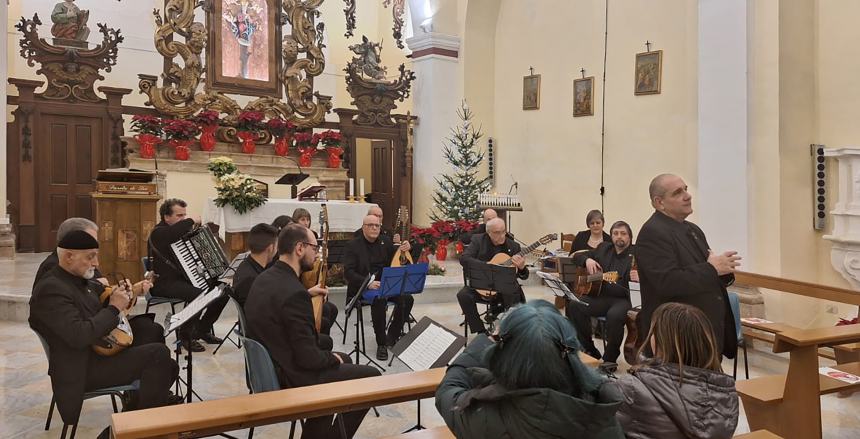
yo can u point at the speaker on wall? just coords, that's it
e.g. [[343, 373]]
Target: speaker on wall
[[491, 161], [819, 171]]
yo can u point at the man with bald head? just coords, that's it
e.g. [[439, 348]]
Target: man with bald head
[[676, 264], [481, 249], [369, 254], [486, 215]]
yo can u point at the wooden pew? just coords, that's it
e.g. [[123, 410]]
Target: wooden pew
[[211, 417], [790, 405], [758, 434], [431, 433]]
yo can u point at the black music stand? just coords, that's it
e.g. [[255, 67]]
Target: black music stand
[[293, 179], [355, 304], [397, 281], [559, 287], [501, 279]]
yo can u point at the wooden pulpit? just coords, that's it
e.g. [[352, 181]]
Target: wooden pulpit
[[125, 213]]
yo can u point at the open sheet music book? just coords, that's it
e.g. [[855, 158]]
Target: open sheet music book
[[428, 345], [558, 287], [174, 321]]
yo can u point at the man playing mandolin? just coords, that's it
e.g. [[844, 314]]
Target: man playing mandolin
[[613, 299], [482, 249]]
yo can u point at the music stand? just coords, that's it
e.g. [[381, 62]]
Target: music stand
[[293, 179], [350, 306], [397, 281], [558, 287]]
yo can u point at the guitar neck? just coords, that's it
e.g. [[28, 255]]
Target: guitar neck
[[523, 253]]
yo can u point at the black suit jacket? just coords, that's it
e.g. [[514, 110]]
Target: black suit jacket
[[356, 261], [66, 311], [280, 316], [673, 267], [164, 262], [244, 278]]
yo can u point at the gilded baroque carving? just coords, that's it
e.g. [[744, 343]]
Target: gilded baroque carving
[[398, 12], [71, 71], [372, 94]]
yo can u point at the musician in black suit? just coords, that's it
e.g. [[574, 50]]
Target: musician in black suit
[[369, 254], [65, 310], [592, 238], [389, 236], [280, 316], [142, 325], [676, 263], [171, 281], [613, 301], [482, 249], [487, 215]]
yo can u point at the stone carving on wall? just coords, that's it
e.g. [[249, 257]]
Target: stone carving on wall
[[71, 71], [398, 13], [183, 91], [372, 93], [845, 253], [70, 24]]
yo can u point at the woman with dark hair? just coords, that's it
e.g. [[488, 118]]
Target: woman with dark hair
[[594, 236], [302, 216], [682, 391], [527, 381], [282, 221]]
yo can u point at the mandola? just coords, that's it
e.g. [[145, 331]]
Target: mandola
[[402, 226], [318, 274], [120, 337]]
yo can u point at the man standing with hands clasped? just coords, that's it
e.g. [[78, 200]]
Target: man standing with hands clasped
[[676, 264]]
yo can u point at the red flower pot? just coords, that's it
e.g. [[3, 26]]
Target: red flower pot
[[207, 138], [181, 151], [147, 145], [459, 248], [334, 153], [425, 256], [282, 145], [248, 137], [442, 250], [306, 155]]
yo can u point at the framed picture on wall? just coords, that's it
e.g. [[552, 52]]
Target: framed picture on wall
[[649, 73], [243, 54], [583, 97], [531, 92]]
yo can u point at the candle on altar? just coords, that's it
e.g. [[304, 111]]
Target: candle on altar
[[351, 187], [361, 187]]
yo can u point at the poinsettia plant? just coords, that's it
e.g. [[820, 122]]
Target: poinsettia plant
[[328, 139], [278, 127], [143, 124], [303, 139], [250, 121], [180, 129], [206, 118], [442, 230]]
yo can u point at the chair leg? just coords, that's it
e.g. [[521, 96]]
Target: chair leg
[[735, 369], [147, 308], [292, 429], [746, 362], [63, 433], [251, 433], [113, 402], [50, 412], [74, 429], [341, 426], [345, 328]]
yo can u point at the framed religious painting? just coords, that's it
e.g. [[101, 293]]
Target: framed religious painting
[[583, 97], [649, 73], [243, 55], [531, 92]]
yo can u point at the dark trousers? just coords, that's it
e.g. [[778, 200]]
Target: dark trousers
[[469, 298], [150, 363], [187, 292], [614, 309], [402, 308], [145, 330], [329, 315], [323, 427]]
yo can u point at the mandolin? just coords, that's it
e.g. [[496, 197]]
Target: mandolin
[[589, 284], [402, 258], [506, 260], [318, 274], [120, 337]]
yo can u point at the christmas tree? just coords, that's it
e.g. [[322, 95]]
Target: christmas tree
[[457, 194]]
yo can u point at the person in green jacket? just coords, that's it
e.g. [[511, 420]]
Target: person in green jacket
[[526, 381]]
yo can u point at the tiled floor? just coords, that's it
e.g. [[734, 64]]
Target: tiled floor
[[25, 388]]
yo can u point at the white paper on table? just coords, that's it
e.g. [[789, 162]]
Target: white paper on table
[[427, 348], [839, 375], [754, 320]]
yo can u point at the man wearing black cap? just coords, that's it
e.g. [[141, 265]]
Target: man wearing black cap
[[66, 311], [171, 280]]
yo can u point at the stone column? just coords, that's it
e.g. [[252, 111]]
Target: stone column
[[7, 239], [436, 95], [845, 253]]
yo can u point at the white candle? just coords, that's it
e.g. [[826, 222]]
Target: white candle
[[360, 187], [351, 187]]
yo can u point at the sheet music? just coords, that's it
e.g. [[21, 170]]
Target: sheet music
[[202, 301], [427, 348]]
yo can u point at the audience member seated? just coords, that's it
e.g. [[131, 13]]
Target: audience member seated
[[681, 392], [482, 249], [66, 311], [527, 381], [369, 254], [594, 236], [613, 302], [263, 247], [282, 221], [280, 316]]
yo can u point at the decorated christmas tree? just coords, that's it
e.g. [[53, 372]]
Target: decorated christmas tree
[[457, 194]]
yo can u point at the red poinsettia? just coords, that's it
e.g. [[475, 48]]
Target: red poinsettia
[[303, 139], [180, 129], [250, 121], [278, 127], [329, 139], [143, 124]]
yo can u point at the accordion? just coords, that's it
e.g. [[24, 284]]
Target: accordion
[[201, 257]]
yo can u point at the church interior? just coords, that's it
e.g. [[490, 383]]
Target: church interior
[[541, 131]]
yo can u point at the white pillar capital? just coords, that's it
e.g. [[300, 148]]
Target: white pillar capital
[[430, 44]]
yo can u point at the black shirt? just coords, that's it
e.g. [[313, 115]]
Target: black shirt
[[164, 262], [610, 260], [245, 275], [362, 257]]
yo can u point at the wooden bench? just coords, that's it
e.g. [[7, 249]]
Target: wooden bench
[[758, 434], [431, 433], [790, 405], [211, 417]]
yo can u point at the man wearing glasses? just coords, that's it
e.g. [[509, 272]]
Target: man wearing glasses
[[369, 254]]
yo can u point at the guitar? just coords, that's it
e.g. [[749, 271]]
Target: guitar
[[590, 284], [505, 260], [402, 226], [120, 337], [318, 274]]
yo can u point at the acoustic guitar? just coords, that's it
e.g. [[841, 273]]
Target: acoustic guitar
[[120, 337], [319, 274], [506, 260], [402, 258], [585, 284]]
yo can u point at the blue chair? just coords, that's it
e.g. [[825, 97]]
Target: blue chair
[[261, 371], [155, 300], [735, 302], [112, 391]]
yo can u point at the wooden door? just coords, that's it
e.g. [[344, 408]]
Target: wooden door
[[382, 179], [68, 155]]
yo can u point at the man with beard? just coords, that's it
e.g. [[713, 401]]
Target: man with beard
[[613, 302], [280, 316]]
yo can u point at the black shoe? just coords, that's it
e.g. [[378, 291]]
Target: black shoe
[[194, 346], [174, 399], [211, 338], [593, 352], [381, 353]]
